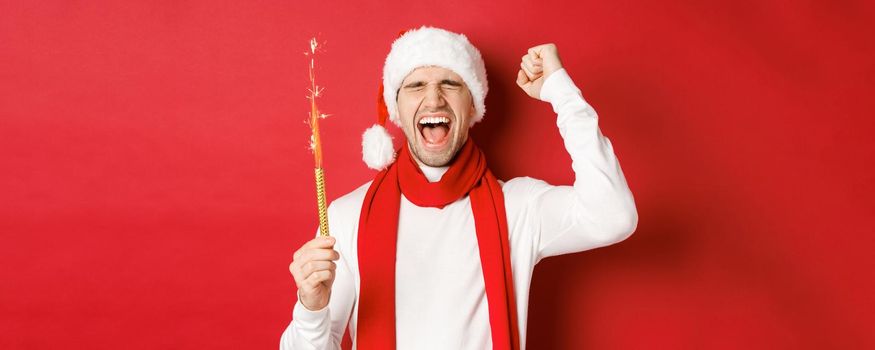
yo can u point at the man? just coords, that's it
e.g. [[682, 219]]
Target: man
[[436, 253]]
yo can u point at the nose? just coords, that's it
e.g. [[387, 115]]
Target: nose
[[434, 98]]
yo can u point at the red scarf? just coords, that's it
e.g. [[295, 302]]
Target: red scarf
[[378, 233]]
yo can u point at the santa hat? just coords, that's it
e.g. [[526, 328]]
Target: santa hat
[[426, 46]]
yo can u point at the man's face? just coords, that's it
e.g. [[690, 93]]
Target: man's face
[[435, 108]]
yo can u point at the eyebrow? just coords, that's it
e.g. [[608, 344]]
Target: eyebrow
[[443, 82]]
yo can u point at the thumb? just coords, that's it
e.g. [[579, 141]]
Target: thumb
[[521, 78]]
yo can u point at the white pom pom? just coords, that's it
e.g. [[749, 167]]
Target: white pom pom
[[378, 152]]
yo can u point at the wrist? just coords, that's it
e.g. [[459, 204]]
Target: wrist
[[548, 71], [557, 87], [309, 308]]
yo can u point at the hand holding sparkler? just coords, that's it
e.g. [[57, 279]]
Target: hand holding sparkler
[[313, 267]]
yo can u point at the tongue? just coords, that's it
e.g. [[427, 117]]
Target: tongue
[[435, 134]]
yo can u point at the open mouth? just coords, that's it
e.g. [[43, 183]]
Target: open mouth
[[435, 130]]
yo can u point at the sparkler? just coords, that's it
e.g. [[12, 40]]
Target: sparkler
[[316, 141]]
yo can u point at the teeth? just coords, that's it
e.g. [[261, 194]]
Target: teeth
[[434, 120]]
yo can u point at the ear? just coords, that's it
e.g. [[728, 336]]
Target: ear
[[471, 112]]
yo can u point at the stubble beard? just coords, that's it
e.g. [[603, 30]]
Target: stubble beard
[[435, 159]]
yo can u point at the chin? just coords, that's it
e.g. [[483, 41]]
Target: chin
[[437, 161], [436, 158]]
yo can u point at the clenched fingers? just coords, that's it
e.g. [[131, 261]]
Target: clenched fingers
[[522, 79], [304, 257], [319, 242], [529, 74], [319, 254], [315, 278], [533, 64], [317, 265], [532, 72]]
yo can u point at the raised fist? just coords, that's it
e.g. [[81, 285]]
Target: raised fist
[[536, 65]]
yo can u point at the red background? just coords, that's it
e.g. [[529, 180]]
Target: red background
[[155, 174]]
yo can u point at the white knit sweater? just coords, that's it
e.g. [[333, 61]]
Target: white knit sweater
[[440, 292]]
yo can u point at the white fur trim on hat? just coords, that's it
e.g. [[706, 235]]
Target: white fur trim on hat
[[377, 149], [429, 46]]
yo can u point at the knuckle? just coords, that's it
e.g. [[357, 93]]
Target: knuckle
[[319, 277], [314, 277]]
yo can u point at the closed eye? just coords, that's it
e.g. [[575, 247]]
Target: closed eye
[[414, 85], [446, 83], [451, 83]]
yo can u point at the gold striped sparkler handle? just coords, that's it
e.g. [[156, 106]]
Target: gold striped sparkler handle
[[320, 198]]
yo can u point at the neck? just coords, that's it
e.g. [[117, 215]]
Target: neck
[[433, 174]]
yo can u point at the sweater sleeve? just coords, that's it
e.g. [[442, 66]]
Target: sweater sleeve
[[599, 209], [323, 329]]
